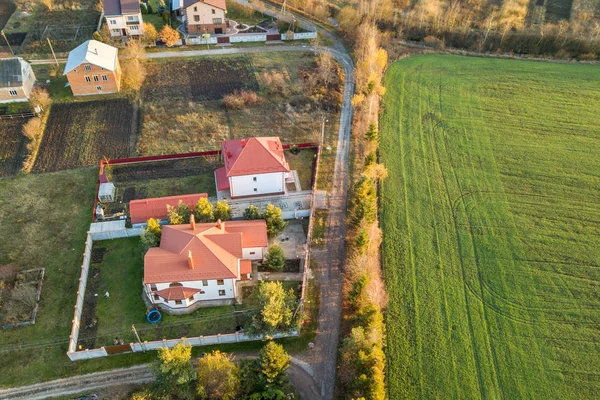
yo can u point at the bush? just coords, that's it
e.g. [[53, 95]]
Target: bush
[[365, 201], [362, 241], [168, 35], [150, 34], [372, 135], [275, 223], [276, 310], [180, 214], [204, 211], [150, 9], [275, 258], [370, 159], [241, 99], [251, 213], [151, 236], [222, 211], [143, 8]]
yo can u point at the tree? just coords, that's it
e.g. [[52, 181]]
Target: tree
[[365, 201], [174, 370], [275, 258], [348, 19], [151, 236], [169, 36], [180, 214], [272, 216], [204, 210], [143, 8], [276, 309], [222, 211], [372, 135], [218, 377], [362, 241], [274, 361], [150, 34], [251, 213]]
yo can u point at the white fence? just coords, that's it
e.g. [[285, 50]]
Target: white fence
[[300, 36], [97, 231], [194, 341], [247, 38]]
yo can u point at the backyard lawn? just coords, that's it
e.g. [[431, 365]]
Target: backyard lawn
[[303, 162], [491, 220]]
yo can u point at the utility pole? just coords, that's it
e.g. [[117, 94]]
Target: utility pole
[[323, 129], [51, 48], [138, 338], [284, 7], [8, 44]]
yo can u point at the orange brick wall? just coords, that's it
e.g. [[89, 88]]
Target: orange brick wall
[[80, 87]]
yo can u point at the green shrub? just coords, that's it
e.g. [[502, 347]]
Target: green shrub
[[275, 258]]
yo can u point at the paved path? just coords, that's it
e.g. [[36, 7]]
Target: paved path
[[299, 373]]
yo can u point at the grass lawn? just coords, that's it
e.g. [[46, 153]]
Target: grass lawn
[[244, 15], [303, 163], [491, 219]]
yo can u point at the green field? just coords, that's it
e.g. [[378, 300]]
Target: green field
[[491, 220]]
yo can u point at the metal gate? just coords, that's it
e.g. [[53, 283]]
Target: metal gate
[[123, 348], [273, 37], [223, 39]]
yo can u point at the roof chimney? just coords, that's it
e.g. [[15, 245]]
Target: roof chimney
[[243, 142], [220, 224], [190, 260], [192, 222]]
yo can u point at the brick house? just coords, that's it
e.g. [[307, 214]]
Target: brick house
[[205, 16], [123, 17], [199, 264], [93, 68], [16, 80]]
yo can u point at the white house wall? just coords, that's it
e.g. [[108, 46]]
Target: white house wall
[[245, 185], [211, 292], [253, 253], [119, 22]]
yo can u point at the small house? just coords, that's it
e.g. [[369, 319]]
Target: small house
[[16, 80], [93, 68], [199, 264], [123, 17], [140, 211], [253, 167], [205, 16]]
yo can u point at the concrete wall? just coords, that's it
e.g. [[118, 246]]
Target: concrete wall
[[85, 266], [112, 230], [248, 37], [257, 184]]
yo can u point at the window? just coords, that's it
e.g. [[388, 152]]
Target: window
[[95, 78], [213, 11], [217, 21], [254, 179], [178, 302], [113, 21], [99, 88], [195, 8], [221, 293], [102, 69], [220, 282], [252, 252], [104, 78], [255, 189], [156, 297], [133, 27], [87, 79], [196, 18], [132, 18], [75, 70], [117, 31], [88, 67], [175, 284], [204, 283], [13, 92], [153, 287], [191, 298]]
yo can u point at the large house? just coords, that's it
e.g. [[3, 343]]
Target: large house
[[205, 16], [93, 68], [123, 17], [199, 264], [16, 80], [254, 166], [140, 211]]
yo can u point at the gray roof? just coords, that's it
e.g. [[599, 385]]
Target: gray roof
[[10, 72], [118, 7]]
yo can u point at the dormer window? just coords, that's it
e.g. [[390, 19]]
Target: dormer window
[[213, 11], [175, 284], [195, 9]]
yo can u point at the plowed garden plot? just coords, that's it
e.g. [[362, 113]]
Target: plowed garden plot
[[12, 145], [81, 134], [199, 80]]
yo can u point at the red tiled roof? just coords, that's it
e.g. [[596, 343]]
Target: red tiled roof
[[144, 209], [245, 267], [177, 293], [253, 156], [214, 250], [222, 180]]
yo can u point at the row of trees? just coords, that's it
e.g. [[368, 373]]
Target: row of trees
[[219, 376]]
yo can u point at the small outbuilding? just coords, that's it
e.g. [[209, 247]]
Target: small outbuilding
[[16, 80]]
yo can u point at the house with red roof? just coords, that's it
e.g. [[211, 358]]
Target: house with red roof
[[253, 167], [140, 211], [199, 264]]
